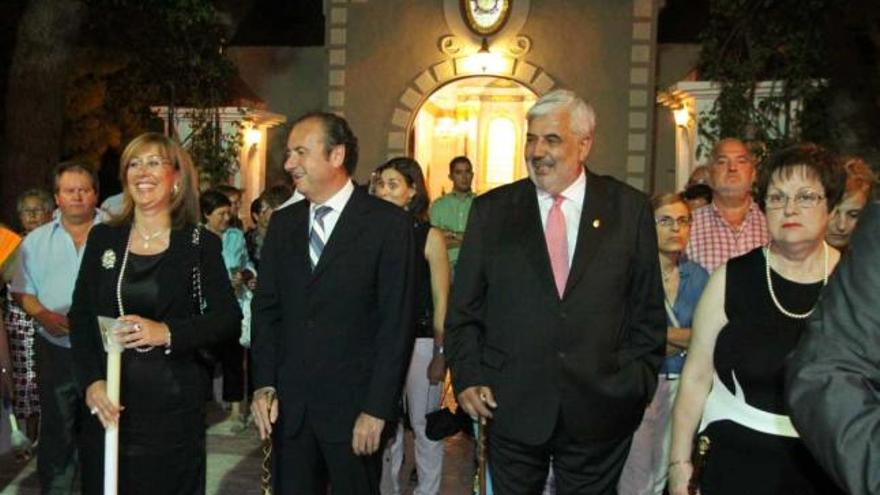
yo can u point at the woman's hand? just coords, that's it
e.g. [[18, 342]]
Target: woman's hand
[[437, 369], [99, 404], [237, 280], [680, 477], [143, 332]]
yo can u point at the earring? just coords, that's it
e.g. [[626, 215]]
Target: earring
[[176, 189]]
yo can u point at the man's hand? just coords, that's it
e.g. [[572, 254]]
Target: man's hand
[[54, 323], [265, 410], [367, 434], [478, 401]]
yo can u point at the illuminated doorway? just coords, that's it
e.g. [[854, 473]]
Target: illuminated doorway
[[483, 118]]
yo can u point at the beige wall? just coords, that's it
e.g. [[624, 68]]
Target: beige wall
[[291, 81], [676, 62], [583, 45]]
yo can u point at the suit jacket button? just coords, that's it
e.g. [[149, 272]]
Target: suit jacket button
[[310, 323], [561, 355], [563, 315]]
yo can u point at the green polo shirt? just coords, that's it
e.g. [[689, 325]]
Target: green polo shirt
[[450, 212]]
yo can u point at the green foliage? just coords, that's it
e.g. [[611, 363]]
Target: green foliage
[[134, 55], [216, 152], [746, 42]]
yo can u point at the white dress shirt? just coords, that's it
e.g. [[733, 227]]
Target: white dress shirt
[[336, 203], [572, 205]]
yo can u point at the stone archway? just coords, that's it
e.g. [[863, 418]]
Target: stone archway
[[420, 87]]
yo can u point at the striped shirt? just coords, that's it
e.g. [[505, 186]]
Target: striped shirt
[[714, 241]]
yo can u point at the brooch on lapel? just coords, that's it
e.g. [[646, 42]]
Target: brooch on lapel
[[108, 259]]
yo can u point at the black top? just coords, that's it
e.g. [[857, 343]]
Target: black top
[[159, 385], [424, 304], [758, 337], [753, 346]]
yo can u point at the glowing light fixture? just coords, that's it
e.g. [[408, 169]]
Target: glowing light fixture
[[252, 136], [682, 116], [484, 61]]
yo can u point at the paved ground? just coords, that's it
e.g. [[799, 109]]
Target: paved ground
[[234, 465]]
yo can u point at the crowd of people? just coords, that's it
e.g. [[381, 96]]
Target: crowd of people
[[603, 341]]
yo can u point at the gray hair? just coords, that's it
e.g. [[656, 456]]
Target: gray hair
[[583, 118], [41, 194]]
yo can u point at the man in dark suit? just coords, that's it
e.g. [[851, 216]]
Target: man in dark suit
[[556, 328], [833, 374], [331, 319]]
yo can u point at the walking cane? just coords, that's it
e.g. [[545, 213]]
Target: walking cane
[[266, 474], [480, 475], [114, 370]]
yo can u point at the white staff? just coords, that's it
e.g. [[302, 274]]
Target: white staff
[[111, 433]]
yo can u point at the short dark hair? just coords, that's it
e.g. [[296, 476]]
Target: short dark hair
[[336, 133], [696, 191], [818, 161], [412, 174], [228, 190], [459, 159], [273, 197], [210, 200], [76, 167]]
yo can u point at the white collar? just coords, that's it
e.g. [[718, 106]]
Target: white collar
[[575, 191], [338, 201]]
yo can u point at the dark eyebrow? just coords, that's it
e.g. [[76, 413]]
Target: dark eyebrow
[[545, 136]]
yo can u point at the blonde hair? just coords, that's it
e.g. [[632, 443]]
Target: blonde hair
[[859, 176], [184, 202]]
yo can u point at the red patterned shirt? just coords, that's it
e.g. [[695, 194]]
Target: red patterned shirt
[[714, 241]]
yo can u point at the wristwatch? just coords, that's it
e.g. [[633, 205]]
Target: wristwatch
[[438, 350]]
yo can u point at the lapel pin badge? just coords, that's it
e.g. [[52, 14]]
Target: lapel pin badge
[[596, 223]]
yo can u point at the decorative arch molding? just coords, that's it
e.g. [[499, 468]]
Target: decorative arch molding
[[419, 88]]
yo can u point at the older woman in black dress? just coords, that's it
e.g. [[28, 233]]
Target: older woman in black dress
[[154, 269], [750, 317]]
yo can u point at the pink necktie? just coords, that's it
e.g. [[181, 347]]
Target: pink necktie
[[557, 244]]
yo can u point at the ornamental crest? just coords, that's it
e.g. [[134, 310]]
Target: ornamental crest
[[108, 259]]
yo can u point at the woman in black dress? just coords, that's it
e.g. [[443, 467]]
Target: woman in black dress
[[152, 268], [750, 317]]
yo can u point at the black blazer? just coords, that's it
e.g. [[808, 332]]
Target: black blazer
[[335, 342], [95, 294], [593, 355], [833, 375]]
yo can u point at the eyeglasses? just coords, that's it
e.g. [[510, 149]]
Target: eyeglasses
[[33, 211], [668, 222], [803, 199], [151, 162]]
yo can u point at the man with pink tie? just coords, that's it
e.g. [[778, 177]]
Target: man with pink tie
[[556, 327]]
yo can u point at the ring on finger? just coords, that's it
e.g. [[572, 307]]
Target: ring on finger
[[94, 411], [137, 327]]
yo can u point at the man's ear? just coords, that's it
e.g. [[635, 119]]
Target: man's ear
[[337, 155]]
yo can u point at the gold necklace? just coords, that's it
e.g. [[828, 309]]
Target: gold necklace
[[150, 237]]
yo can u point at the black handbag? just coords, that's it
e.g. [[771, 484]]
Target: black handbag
[[444, 423]]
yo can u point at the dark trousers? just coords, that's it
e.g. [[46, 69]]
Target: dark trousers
[[61, 421], [305, 465], [591, 468], [230, 355]]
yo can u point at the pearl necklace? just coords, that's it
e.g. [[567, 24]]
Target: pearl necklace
[[798, 316], [150, 237], [119, 289]]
